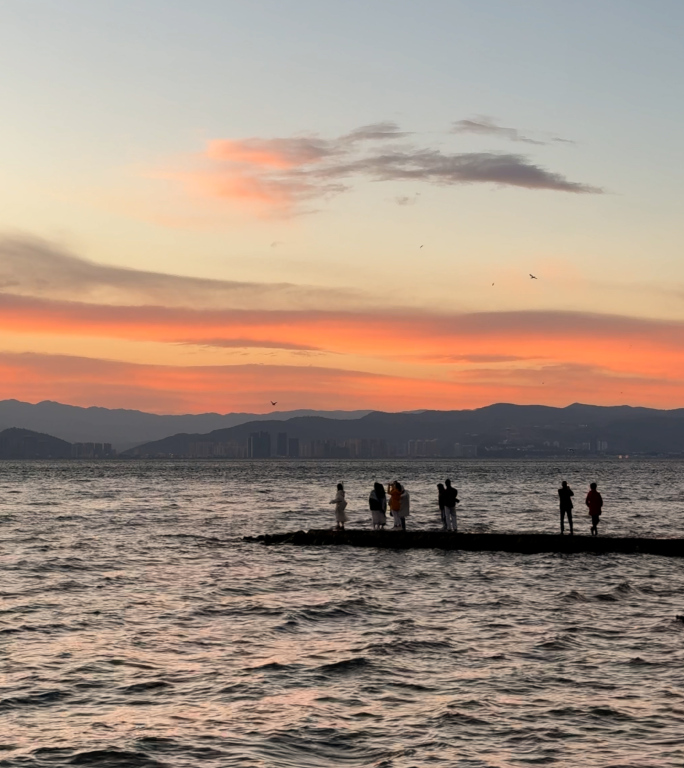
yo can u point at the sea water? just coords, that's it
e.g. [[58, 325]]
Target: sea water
[[138, 629]]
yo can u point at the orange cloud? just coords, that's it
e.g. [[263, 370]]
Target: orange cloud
[[621, 344], [176, 389], [271, 153], [526, 356]]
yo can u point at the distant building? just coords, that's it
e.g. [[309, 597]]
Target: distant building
[[363, 448], [259, 445], [201, 449], [423, 448], [281, 444], [92, 451], [208, 449], [462, 451], [293, 447]]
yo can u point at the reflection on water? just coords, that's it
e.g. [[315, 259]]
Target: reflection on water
[[137, 629]]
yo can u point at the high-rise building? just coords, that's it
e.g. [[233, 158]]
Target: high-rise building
[[281, 444], [293, 447], [259, 446], [423, 448]]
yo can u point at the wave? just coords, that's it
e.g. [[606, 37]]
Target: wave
[[149, 685], [460, 718], [115, 758], [345, 666], [274, 666], [409, 646], [575, 596], [315, 747], [40, 699], [46, 629]]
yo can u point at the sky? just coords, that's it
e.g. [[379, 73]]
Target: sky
[[214, 205]]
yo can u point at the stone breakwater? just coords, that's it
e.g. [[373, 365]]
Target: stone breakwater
[[525, 543]]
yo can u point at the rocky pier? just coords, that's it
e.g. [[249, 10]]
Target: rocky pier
[[524, 543]]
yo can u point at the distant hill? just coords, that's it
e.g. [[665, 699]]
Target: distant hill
[[496, 430], [126, 428], [25, 444]]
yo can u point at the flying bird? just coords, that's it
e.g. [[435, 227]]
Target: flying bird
[[534, 277], [420, 247], [274, 402]]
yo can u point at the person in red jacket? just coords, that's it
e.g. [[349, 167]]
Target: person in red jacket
[[594, 502]]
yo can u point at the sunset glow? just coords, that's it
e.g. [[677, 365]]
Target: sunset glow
[[296, 227]]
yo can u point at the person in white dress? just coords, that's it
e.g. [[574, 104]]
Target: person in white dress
[[340, 505], [404, 507]]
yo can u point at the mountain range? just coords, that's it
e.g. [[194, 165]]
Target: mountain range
[[496, 430], [127, 428]]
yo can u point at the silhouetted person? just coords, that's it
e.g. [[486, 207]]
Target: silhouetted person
[[378, 506], [340, 505], [565, 495], [450, 501], [595, 503], [440, 501], [404, 507], [394, 490]]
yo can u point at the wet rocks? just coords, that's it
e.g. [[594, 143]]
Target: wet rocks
[[526, 543]]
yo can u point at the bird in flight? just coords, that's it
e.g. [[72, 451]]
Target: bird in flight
[[274, 402], [533, 277], [420, 247]]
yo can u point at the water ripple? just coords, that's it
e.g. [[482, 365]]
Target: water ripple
[[138, 629]]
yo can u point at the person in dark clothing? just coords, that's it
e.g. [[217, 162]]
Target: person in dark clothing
[[378, 506], [595, 503], [404, 506], [565, 495], [450, 501], [440, 501]]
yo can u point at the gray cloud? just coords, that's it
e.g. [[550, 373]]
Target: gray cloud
[[431, 165], [286, 174], [374, 132], [33, 267], [487, 126], [249, 344]]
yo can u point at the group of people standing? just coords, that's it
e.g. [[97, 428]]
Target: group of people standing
[[594, 502], [398, 499]]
